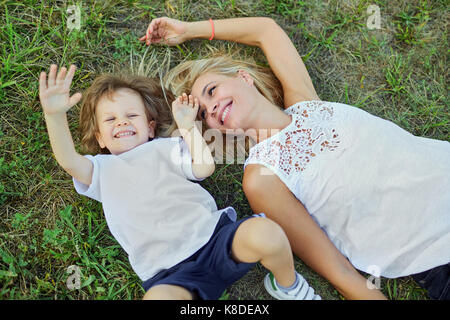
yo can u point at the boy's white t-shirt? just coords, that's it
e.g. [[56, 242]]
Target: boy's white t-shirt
[[157, 215]]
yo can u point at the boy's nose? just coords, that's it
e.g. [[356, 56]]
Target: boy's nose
[[122, 123]]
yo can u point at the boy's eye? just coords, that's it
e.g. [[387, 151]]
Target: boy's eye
[[109, 119]]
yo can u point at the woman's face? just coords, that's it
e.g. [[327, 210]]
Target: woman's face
[[225, 102]]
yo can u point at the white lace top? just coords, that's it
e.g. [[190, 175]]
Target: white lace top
[[381, 194]]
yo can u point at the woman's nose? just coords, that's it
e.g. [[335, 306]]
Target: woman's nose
[[212, 108]]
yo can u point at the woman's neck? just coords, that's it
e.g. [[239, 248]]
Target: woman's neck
[[266, 120]]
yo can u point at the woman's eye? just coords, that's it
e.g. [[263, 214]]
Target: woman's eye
[[210, 91]]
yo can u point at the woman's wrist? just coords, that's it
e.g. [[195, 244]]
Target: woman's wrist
[[243, 30], [199, 30]]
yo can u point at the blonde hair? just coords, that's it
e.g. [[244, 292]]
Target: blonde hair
[[181, 78], [156, 101]]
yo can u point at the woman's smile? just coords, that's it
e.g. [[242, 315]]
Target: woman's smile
[[225, 112]]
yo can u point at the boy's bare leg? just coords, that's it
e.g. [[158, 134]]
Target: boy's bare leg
[[262, 240], [167, 292]]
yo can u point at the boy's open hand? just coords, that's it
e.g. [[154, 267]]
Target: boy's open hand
[[166, 31], [184, 110], [55, 93]]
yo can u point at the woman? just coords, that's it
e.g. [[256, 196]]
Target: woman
[[351, 190]]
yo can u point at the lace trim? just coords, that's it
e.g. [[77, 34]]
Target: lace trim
[[311, 133]]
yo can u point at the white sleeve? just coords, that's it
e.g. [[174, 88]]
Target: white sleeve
[[93, 190], [186, 162]]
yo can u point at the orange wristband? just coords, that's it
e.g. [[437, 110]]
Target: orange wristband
[[212, 27]]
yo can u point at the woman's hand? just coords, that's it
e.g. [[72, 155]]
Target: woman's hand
[[166, 31], [55, 93]]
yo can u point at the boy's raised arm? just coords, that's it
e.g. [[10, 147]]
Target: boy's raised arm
[[54, 94], [185, 110]]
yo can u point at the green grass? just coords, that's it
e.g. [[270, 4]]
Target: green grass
[[399, 73]]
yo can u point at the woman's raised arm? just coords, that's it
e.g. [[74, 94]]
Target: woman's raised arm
[[265, 33], [307, 239]]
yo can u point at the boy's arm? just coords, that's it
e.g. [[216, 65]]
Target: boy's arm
[[185, 109], [55, 100], [202, 161], [64, 150], [265, 33]]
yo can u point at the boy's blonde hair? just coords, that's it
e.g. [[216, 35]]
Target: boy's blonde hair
[[156, 101]]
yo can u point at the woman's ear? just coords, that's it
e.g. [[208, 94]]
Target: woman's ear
[[246, 76]]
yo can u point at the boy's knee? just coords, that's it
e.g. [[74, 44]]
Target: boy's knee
[[167, 292], [266, 235]]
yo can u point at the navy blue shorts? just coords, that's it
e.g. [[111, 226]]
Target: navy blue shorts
[[436, 281], [210, 270]]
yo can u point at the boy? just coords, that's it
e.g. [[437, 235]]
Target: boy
[[177, 241]]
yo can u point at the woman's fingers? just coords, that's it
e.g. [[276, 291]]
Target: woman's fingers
[[155, 31], [152, 25], [157, 25], [149, 32], [147, 35]]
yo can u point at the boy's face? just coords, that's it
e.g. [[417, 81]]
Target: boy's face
[[122, 122]]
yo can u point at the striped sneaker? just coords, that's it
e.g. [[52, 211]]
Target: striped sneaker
[[301, 292]]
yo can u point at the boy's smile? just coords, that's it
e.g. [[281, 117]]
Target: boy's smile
[[124, 133], [122, 122]]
